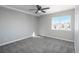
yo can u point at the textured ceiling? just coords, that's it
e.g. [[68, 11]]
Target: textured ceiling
[[53, 8]]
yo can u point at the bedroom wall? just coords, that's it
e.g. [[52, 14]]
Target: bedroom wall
[[45, 26], [15, 25]]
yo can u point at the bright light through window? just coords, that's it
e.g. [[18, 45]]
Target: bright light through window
[[61, 23]]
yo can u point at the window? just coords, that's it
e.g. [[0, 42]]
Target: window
[[61, 23]]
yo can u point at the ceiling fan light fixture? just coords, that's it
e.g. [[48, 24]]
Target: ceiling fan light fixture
[[40, 9]]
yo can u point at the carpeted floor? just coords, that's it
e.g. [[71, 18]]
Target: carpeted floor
[[39, 45]]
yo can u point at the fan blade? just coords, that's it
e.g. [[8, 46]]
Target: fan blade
[[36, 12], [45, 8], [43, 11], [38, 7]]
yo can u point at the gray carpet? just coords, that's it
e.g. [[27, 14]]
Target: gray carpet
[[39, 45]]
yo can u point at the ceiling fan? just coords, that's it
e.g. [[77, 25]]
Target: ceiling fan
[[39, 8]]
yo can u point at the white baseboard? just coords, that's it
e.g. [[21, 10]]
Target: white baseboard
[[58, 38], [14, 41], [31, 36]]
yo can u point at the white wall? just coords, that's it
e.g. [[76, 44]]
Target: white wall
[[15, 25], [77, 29], [45, 26]]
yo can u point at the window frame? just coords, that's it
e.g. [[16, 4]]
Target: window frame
[[61, 29]]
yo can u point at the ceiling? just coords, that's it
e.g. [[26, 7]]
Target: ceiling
[[53, 8]]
